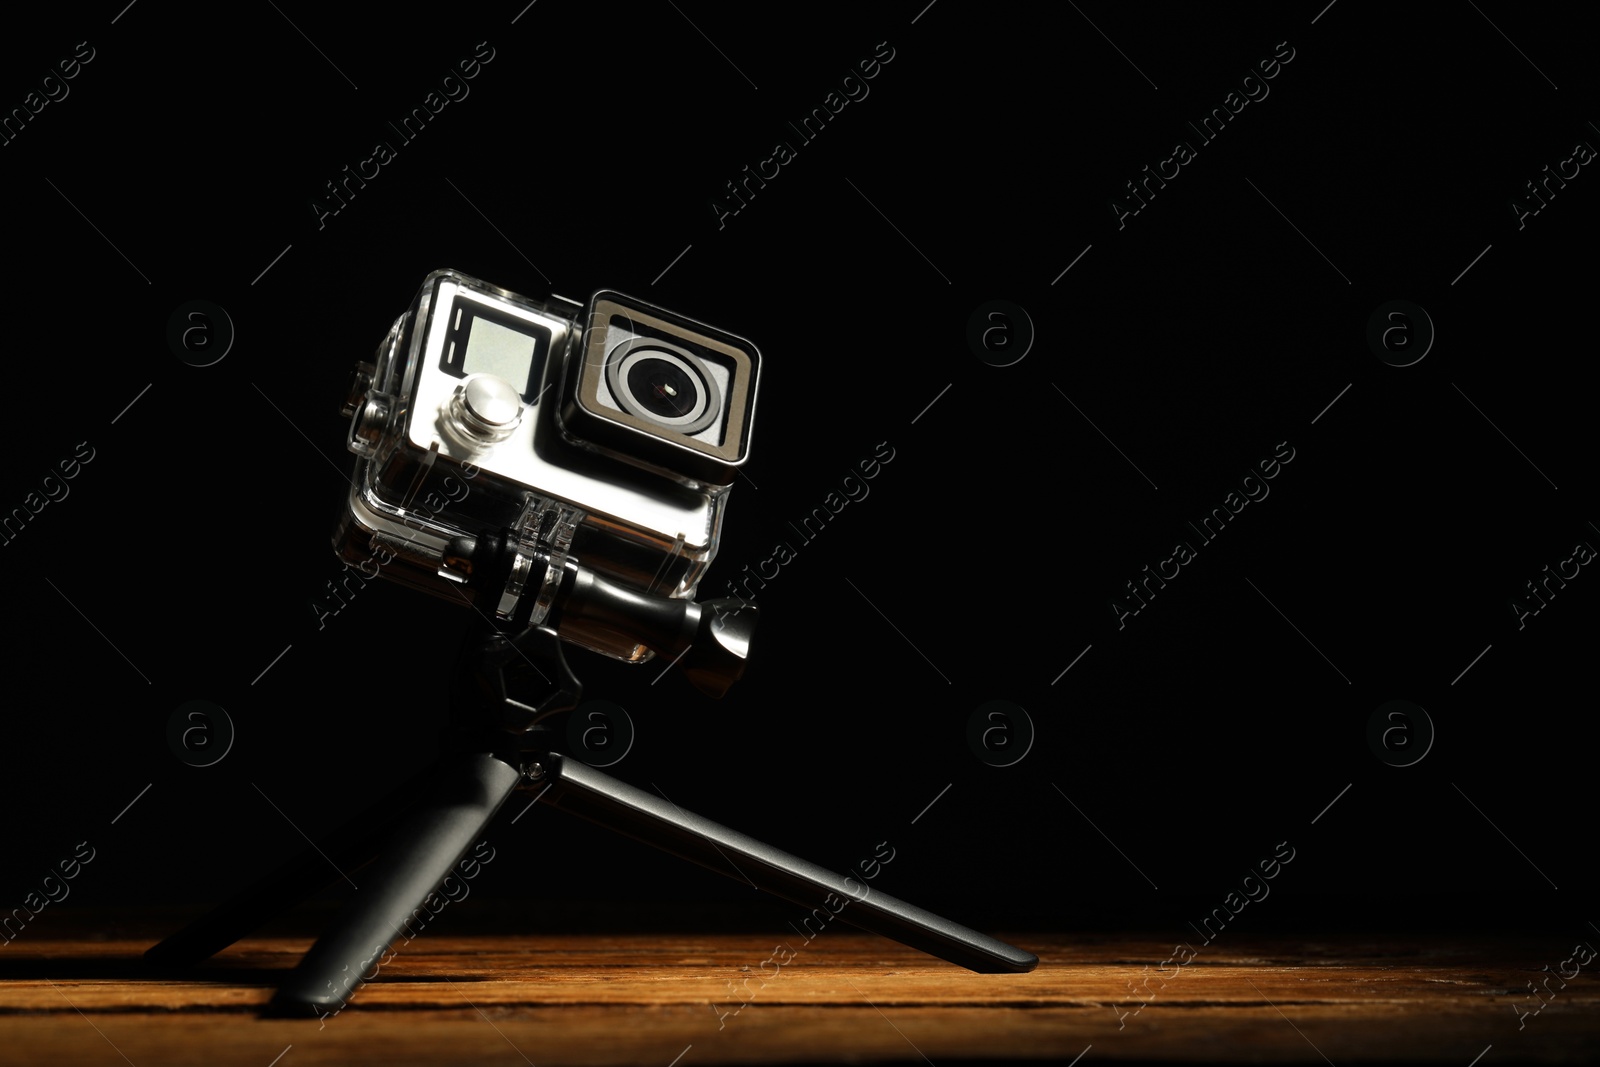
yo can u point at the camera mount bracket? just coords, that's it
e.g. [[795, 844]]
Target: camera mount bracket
[[498, 743]]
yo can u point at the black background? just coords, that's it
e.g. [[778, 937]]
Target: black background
[[1177, 351]]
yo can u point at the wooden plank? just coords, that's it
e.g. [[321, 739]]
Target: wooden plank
[[644, 998]]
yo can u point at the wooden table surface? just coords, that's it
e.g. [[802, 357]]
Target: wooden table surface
[[664, 998]]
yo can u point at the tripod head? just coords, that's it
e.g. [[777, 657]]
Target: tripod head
[[513, 676]]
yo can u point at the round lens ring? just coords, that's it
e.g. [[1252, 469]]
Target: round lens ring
[[663, 384]]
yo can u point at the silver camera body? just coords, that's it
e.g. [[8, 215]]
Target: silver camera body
[[599, 440]]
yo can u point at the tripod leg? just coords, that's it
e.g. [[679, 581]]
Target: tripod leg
[[427, 844], [646, 817]]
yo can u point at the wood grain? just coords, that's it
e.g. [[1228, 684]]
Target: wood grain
[[647, 998]]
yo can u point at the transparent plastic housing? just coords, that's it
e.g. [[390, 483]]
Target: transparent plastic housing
[[624, 506]]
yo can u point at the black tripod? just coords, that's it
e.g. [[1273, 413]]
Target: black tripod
[[499, 743]]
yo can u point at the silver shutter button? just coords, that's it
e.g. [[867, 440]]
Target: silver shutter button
[[484, 409]]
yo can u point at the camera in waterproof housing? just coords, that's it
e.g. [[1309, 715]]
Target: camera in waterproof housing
[[575, 459]]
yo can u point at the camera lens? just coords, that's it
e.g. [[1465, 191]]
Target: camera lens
[[663, 384], [662, 387]]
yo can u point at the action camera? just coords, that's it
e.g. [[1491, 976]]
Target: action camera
[[595, 445]]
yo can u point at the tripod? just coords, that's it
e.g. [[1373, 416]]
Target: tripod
[[499, 743]]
